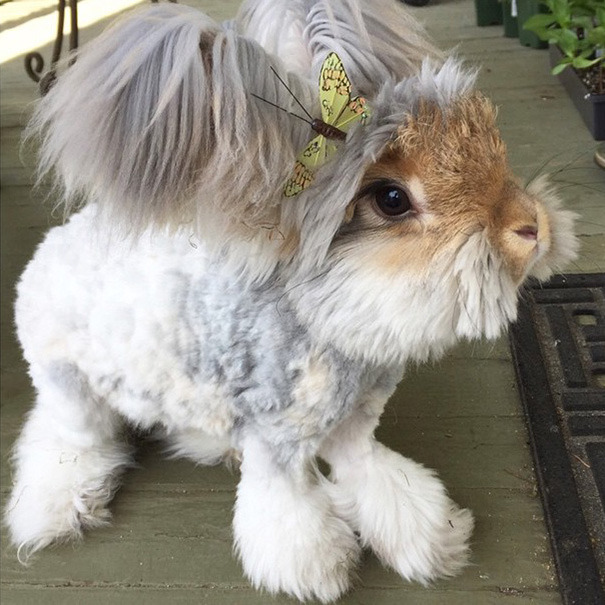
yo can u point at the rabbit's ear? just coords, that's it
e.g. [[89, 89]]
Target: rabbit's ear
[[376, 40], [157, 122]]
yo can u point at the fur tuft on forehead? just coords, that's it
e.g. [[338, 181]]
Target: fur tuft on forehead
[[459, 143], [440, 83]]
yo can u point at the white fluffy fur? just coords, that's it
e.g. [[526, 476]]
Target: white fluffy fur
[[287, 531], [402, 512], [400, 509], [233, 319], [69, 458]]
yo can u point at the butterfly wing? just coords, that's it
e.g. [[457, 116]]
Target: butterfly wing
[[314, 153], [357, 110], [334, 89], [338, 109], [312, 156], [301, 178]]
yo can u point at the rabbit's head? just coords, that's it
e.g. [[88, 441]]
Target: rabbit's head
[[441, 181], [437, 240]]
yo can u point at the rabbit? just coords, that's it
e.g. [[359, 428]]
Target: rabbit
[[189, 295]]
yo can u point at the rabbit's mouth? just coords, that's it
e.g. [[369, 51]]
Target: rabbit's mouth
[[522, 247], [542, 243], [557, 243]]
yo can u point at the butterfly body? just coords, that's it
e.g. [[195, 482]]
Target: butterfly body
[[338, 113], [328, 130]]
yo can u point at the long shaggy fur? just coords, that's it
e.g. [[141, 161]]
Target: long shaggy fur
[[377, 40], [140, 123]]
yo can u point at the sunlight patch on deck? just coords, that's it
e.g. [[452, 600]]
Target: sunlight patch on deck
[[39, 31]]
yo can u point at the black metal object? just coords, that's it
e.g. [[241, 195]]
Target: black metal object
[[558, 347], [34, 61]]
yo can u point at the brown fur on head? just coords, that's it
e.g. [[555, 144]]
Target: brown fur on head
[[451, 163]]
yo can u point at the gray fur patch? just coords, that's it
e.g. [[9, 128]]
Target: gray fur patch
[[253, 343]]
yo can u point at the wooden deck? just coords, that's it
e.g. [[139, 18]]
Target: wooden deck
[[170, 541]]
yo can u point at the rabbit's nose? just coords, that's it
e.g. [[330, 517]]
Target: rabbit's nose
[[529, 232]]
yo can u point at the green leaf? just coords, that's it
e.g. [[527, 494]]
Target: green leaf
[[596, 37], [556, 36], [561, 9], [568, 42], [580, 11], [557, 69], [548, 3], [581, 63], [587, 53], [548, 35], [539, 22], [582, 22]]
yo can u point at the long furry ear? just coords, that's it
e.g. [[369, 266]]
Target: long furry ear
[[376, 40], [156, 121]]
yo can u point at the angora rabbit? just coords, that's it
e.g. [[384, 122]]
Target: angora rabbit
[[193, 295]]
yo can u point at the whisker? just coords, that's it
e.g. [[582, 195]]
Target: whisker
[[573, 262], [303, 283], [562, 185], [574, 160], [589, 258], [569, 169], [542, 166], [566, 166], [590, 223]]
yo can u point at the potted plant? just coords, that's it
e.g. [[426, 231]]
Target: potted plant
[[509, 18], [526, 9], [488, 12], [575, 30]]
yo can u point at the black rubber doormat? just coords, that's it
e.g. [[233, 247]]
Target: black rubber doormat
[[558, 346]]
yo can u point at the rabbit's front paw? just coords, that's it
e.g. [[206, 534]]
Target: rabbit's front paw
[[428, 544], [294, 544], [287, 533], [403, 512]]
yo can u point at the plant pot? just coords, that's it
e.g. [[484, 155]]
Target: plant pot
[[489, 12], [525, 10], [511, 27], [590, 106]]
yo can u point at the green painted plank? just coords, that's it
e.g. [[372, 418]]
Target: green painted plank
[[592, 254], [236, 596], [458, 387], [186, 539], [135, 595]]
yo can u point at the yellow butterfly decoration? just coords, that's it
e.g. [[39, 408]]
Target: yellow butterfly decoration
[[338, 113]]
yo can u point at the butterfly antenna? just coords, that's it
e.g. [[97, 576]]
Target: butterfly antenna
[[282, 108], [290, 91]]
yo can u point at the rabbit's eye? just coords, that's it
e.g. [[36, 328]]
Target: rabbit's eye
[[392, 201]]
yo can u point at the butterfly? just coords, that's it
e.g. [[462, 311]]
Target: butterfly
[[338, 113]]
